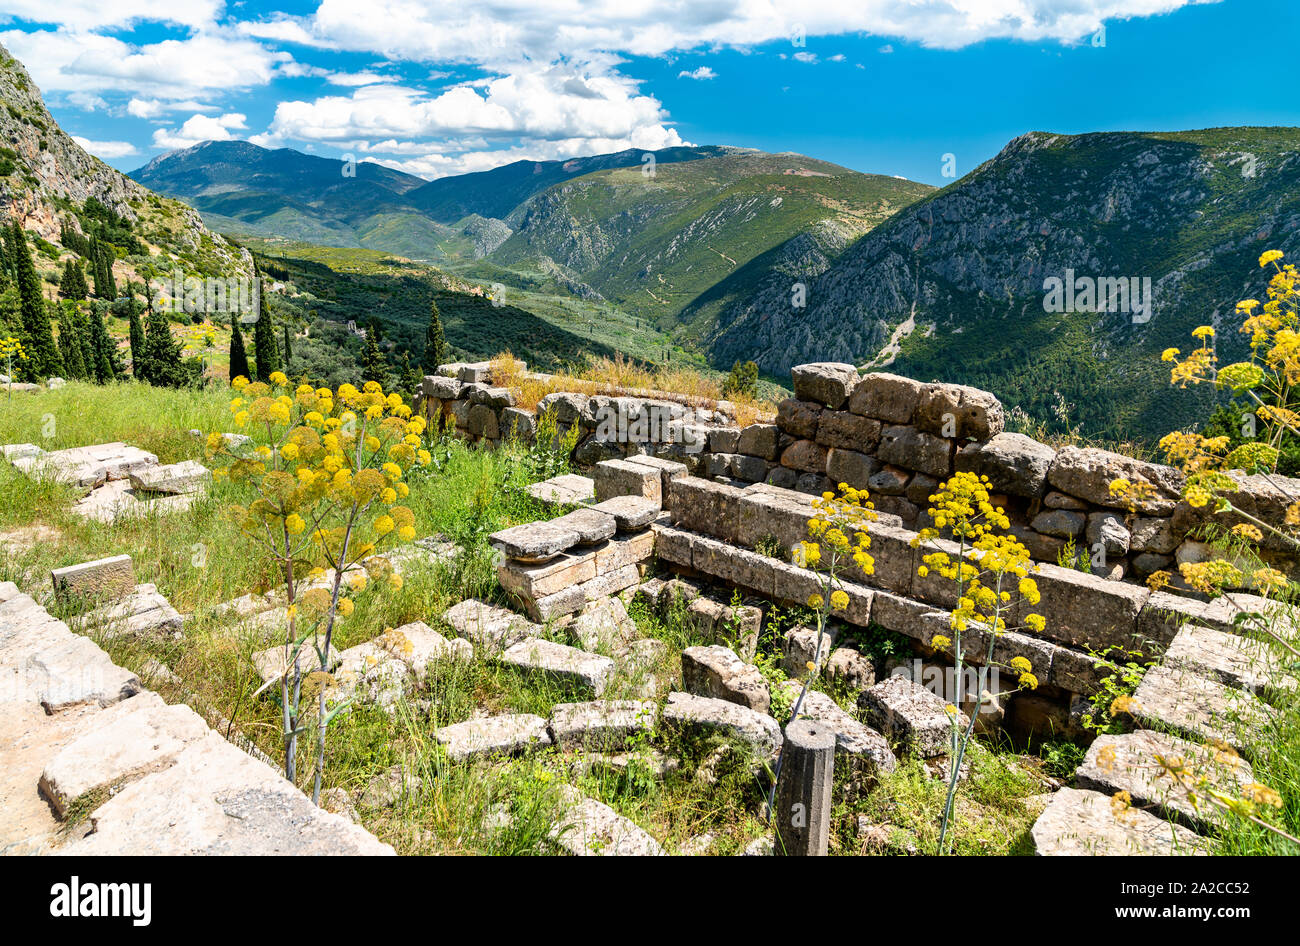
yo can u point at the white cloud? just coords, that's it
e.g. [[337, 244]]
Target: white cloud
[[703, 72], [71, 61], [106, 150], [153, 108], [200, 128], [96, 14], [548, 104], [545, 30]]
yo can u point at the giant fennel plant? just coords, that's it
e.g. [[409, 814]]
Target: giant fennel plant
[[327, 475]]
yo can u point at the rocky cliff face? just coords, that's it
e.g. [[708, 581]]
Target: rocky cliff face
[[43, 172], [965, 269]]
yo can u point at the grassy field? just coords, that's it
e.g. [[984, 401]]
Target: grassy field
[[198, 559]]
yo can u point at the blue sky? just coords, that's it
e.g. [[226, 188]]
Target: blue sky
[[438, 87]]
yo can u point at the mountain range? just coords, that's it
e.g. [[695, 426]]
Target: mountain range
[[735, 254]]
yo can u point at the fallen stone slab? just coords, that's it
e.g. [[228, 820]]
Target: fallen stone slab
[[86, 466], [20, 451], [215, 799], [589, 828], [603, 626], [145, 612], [1203, 709], [568, 665], [487, 626], [569, 489], [591, 525], [494, 735], [631, 513], [188, 476], [535, 541], [417, 645], [245, 606], [717, 672], [103, 578], [117, 500], [134, 745], [601, 724], [659, 764], [702, 716], [1231, 659], [1079, 822], [866, 751], [909, 715], [1141, 764]]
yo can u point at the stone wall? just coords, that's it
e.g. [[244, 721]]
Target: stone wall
[[898, 438]]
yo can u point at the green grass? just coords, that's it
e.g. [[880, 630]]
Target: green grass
[[503, 807]]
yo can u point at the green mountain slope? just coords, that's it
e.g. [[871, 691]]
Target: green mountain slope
[[47, 180], [655, 243], [952, 287]]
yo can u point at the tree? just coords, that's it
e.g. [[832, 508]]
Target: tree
[[102, 260], [372, 361], [288, 348], [70, 345], [103, 350], [435, 345], [742, 381], [264, 348], [162, 353], [72, 285], [410, 378], [43, 359], [238, 356]]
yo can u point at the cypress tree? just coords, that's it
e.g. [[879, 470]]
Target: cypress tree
[[72, 285], [264, 349], [238, 357], [372, 362], [70, 346], [410, 380], [43, 359], [82, 321], [288, 349], [102, 349], [105, 287], [162, 353], [138, 364], [435, 345]]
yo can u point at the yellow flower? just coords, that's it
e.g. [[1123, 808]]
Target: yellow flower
[[345, 606], [1269, 256], [1021, 664], [940, 642], [289, 451], [406, 533], [384, 525], [395, 581], [295, 523], [278, 377], [815, 601], [839, 600]]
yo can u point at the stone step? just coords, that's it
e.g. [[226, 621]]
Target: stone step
[[1202, 709], [135, 744], [589, 828], [494, 735], [215, 799], [1231, 659], [1079, 822], [1151, 766], [568, 665]]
